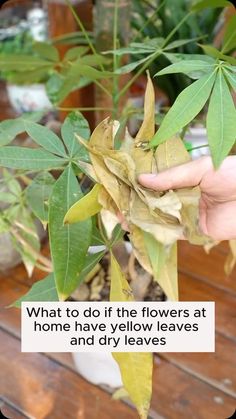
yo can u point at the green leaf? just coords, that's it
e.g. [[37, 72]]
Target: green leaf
[[164, 265], [178, 57], [229, 42], [28, 158], [21, 63], [12, 184], [231, 78], [221, 121], [38, 194], [10, 128], [73, 53], [92, 60], [44, 290], [117, 235], [47, 51], [87, 71], [75, 123], [90, 262], [130, 67], [192, 68], [213, 52], [135, 367], [179, 43], [46, 138], [187, 105], [86, 207], [68, 243], [204, 4], [30, 76]]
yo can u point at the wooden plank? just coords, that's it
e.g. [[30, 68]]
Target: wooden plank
[[217, 369], [178, 395], [194, 261], [42, 388], [192, 289]]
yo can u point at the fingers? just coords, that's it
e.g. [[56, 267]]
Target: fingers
[[183, 176]]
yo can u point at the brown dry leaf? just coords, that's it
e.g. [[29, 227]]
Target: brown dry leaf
[[140, 251], [154, 223], [231, 258]]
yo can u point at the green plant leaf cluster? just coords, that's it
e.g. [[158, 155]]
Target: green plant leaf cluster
[[213, 84]]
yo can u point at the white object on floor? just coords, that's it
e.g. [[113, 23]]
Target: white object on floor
[[98, 368]]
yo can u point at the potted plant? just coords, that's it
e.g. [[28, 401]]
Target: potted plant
[[112, 162]]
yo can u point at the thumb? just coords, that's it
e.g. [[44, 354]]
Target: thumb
[[183, 176]]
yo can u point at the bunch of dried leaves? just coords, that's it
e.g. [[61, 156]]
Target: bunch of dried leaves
[[155, 220]]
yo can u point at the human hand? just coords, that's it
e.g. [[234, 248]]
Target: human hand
[[217, 210]]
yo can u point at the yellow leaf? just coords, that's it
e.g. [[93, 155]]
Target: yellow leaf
[[147, 128], [231, 258], [135, 367], [120, 289], [85, 207], [136, 372]]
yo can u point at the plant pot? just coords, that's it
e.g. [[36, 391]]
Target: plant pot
[[197, 136], [28, 98], [98, 368]]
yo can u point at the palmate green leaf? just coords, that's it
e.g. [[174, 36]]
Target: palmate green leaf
[[231, 78], [38, 194], [86, 207], [10, 128], [187, 105], [12, 184], [203, 4], [58, 87], [135, 367], [29, 159], [68, 243], [229, 42], [46, 138], [221, 121], [75, 123], [47, 51], [192, 68], [44, 290]]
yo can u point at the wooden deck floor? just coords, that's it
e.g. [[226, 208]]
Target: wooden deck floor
[[186, 386]]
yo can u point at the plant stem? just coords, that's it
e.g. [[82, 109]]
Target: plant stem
[[83, 109], [115, 88], [197, 147], [102, 88], [83, 30]]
